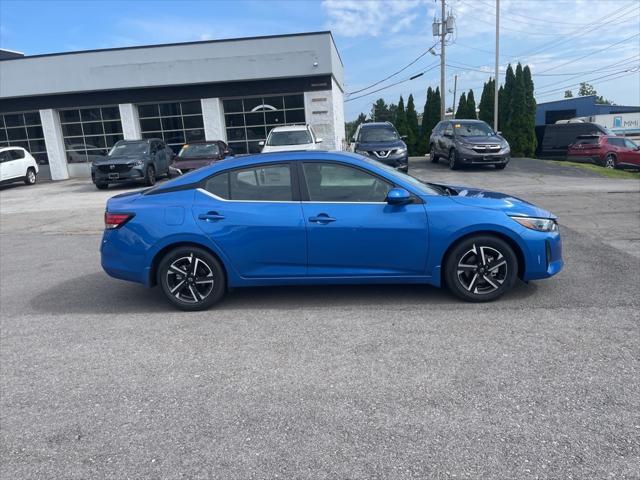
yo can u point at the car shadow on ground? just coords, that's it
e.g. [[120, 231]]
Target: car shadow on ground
[[96, 293]]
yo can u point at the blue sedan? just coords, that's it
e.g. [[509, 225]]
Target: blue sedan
[[302, 218]]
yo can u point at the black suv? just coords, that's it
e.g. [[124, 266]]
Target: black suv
[[468, 142], [132, 160], [380, 141]]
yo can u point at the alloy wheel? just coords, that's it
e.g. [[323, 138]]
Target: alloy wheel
[[31, 177], [610, 161], [482, 269], [453, 164], [190, 279]]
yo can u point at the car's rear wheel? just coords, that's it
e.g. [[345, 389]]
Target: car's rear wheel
[[151, 176], [432, 154], [481, 268], [453, 159], [610, 161], [30, 178], [191, 278]]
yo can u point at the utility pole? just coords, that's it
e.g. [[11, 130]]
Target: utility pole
[[443, 34], [497, 82], [455, 87]]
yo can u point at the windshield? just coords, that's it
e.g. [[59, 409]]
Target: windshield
[[421, 186], [199, 150], [382, 134], [138, 148], [475, 129], [295, 137]]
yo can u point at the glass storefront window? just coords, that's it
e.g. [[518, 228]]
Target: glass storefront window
[[176, 123], [249, 120], [90, 132], [24, 130]]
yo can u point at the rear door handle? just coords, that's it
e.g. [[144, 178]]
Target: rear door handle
[[322, 218], [211, 216]]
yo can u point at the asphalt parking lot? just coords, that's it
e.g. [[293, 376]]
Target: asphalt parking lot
[[103, 379]]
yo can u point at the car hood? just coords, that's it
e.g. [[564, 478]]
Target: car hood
[[192, 163], [288, 148], [380, 145], [481, 139], [117, 160], [476, 197]]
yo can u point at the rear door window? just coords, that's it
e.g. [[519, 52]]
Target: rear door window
[[265, 183], [17, 154]]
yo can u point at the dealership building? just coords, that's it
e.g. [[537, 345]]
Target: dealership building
[[67, 108]]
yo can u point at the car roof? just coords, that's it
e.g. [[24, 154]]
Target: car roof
[[9, 147], [377, 124], [290, 128]]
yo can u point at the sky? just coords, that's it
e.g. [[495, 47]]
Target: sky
[[564, 42]]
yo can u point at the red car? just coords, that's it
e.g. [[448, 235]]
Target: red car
[[605, 150], [199, 154]]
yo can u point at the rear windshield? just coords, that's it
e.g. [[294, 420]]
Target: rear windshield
[[296, 137], [479, 129], [382, 134], [199, 150], [138, 148]]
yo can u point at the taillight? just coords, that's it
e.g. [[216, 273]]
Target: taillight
[[116, 220]]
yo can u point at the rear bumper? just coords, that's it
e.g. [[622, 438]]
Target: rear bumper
[[120, 260]]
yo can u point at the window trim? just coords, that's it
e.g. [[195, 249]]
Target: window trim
[[295, 184], [305, 198]]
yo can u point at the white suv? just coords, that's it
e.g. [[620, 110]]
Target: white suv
[[16, 164], [289, 138]]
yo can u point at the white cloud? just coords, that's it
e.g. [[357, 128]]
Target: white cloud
[[354, 18]]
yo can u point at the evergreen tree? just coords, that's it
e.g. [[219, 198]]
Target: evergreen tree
[[401, 118], [412, 127], [350, 127], [471, 106], [486, 102], [505, 101], [425, 131], [517, 132], [532, 140], [380, 111], [461, 112]]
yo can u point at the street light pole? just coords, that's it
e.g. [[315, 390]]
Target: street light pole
[[497, 82], [443, 34]]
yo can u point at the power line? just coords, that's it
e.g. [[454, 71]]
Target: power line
[[431, 67], [626, 73], [588, 80], [393, 74]]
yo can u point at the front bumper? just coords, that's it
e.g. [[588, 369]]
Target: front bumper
[[399, 163], [133, 174], [543, 255], [471, 157]]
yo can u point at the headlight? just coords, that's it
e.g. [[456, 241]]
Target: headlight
[[539, 224], [468, 146], [362, 152], [401, 151], [138, 163]]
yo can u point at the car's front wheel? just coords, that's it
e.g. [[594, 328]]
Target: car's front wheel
[[151, 176], [432, 154], [30, 177], [481, 268], [453, 159], [191, 278]]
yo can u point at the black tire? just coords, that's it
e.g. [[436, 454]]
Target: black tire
[[30, 178], [501, 166], [192, 295], [453, 160], [102, 186], [150, 178], [432, 154], [610, 161], [465, 272]]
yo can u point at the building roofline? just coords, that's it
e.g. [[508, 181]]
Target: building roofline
[[178, 44], [569, 99]]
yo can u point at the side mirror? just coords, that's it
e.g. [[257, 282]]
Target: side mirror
[[228, 152], [318, 140], [398, 196], [261, 143], [498, 132], [353, 139], [403, 136], [448, 134]]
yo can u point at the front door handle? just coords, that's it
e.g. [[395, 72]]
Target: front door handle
[[322, 218], [211, 216]]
